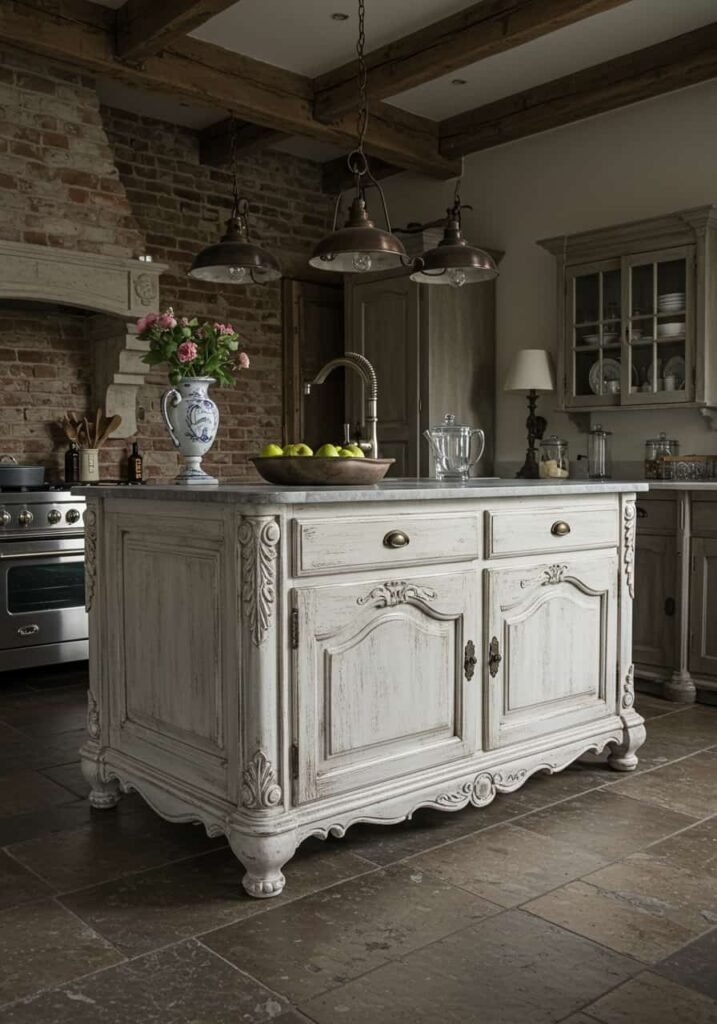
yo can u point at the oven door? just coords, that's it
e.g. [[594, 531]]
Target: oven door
[[42, 592]]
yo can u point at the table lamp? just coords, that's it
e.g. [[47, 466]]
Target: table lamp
[[531, 370]]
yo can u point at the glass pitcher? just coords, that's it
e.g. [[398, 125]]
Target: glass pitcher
[[453, 448]]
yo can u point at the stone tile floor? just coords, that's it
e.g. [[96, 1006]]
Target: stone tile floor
[[588, 897]]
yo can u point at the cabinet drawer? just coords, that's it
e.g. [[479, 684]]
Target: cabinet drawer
[[656, 516], [331, 545], [704, 518], [536, 530]]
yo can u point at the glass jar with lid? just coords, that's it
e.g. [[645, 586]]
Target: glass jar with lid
[[456, 448], [655, 449], [554, 463], [598, 453]]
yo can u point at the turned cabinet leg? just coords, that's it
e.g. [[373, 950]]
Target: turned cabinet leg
[[263, 857], [623, 758], [681, 688], [104, 793]]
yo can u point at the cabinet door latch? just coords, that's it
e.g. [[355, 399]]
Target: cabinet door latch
[[494, 656], [670, 606], [294, 761], [294, 629], [469, 660]]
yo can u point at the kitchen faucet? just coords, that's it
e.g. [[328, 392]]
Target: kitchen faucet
[[359, 363]]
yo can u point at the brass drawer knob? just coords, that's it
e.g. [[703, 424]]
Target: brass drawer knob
[[396, 539], [560, 529]]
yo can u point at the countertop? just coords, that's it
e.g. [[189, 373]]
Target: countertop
[[388, 490], [683, 485]]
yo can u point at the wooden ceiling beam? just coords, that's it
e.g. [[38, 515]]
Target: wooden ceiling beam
[[82, 33], [336, 176], [674, 64], [217, 141], [145, 27], [479, 31]]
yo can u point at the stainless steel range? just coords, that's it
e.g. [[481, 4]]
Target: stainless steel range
[[42, 578]]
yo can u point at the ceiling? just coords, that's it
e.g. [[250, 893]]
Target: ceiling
[[301, 36]]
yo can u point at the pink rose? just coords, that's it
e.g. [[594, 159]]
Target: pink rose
[[187, 351], [243, 360], [184, 321], [166, 321], [146, 321]]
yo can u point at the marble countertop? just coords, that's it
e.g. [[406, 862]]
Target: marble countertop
[[388, 490], [683, 485]]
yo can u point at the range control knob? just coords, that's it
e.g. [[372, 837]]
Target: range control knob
[[72, 515], [54, 516], [5, 517], [25, 517]]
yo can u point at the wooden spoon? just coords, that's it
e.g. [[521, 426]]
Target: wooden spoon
[[99, 417], [108, 428], [70, 429], [88, 435]]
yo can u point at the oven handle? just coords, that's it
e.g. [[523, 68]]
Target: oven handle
[[41, 554]]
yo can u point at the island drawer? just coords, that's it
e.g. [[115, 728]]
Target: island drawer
[[545, 530], [323, 546]]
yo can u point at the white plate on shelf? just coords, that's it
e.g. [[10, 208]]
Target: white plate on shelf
[[591, 339], [675, 367], [610, 371], [676, 330]]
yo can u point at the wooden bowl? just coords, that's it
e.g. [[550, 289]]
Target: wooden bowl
[[308, 470]]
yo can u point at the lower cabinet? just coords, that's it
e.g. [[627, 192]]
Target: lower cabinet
[[384, 679], [703, 605], [551, 645], [653, 626]]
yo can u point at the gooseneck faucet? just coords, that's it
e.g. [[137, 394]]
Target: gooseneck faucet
[[359, 363]]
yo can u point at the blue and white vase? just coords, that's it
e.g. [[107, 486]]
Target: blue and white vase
[[192, 419]]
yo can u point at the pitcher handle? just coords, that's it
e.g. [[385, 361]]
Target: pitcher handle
[[482, 446], [175, 398]]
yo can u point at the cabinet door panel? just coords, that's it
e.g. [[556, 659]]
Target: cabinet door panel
[[555, 626], [703, 607], [379, 679], [653, 628]]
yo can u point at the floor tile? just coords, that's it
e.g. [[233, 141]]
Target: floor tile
[[155, 908], [185, 984], [653, 707], [695, 965], [22, 792], [70, 776], [687, 786], [508, 969], [649, 999], [17, 884], [110, 846], [325, 940], [695, 846], [696, 726], [45, 752], [641, 906], [606, 823], [42, 944], [22, 827], [507, 864]]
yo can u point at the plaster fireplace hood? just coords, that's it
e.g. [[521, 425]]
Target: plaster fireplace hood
[[117, 290]]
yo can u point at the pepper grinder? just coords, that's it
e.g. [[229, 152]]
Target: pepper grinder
[[598, 454]]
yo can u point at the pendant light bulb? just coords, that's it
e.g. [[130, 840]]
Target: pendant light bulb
[[457, 278], [454, 261], [362, 262]]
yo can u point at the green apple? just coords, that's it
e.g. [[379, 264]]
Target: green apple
[[356, 451], [271, 451], [289, 449], [346, 454], [327, 451], [302, 449]]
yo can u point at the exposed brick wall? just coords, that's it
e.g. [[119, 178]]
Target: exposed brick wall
[[99, 180]]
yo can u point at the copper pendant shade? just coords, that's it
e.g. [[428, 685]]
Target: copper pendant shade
[[453, 261], [235, 259], [358, 246]]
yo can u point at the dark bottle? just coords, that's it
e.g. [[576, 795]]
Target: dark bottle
[[134, 466], [72, 463]]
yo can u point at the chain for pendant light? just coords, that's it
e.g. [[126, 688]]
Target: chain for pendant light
[[240, 206], [362, 76]]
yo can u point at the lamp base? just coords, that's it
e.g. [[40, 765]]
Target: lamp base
[[529, 470], [535, 426]]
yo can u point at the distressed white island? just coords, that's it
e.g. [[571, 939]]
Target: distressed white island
[[282, 663]]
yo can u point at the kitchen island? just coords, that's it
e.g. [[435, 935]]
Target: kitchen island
[[279, 663]]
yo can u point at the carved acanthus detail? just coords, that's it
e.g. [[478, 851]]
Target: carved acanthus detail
[[628, 689], [548, 577], [93, 717], [259, 540], [260, 788], [628, 554], [481, 790], [90, 556], [396, 592]]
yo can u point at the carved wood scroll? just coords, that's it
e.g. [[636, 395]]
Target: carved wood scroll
[[93, 717], [551, 576], [628, 554], [90, 556], [396, 592], [259, 540], [260, 788]]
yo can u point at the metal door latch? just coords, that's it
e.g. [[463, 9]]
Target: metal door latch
[[470, 661], [494, 656]]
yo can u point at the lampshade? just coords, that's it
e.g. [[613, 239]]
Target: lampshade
[[235, 259], [530, 370], [453, 261], [358, 246]]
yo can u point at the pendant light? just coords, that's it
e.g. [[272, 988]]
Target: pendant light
[[360, 246], [235, 259], [453, 261]]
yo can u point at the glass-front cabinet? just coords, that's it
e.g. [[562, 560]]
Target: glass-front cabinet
[[638, 308]]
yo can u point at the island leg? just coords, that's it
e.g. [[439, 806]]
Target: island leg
[[263, 857], [104, 793], [623, 758]]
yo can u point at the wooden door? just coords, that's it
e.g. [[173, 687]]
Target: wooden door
[[313, 334], [381, 686], [703, 607], [383, 324], [541, 617], [653, 629]]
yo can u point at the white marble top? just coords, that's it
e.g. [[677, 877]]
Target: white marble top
[[683, 485], [387, 490]]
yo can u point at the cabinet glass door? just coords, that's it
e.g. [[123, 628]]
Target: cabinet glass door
[[658, 304], [595, 319]]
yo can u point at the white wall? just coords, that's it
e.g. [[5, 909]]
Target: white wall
[[642, 161]]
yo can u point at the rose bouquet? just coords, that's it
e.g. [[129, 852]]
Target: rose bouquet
[[191, 349]]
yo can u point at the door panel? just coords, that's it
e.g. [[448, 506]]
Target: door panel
[[653, 628], [703, 607], [379, 679], [540, 617]]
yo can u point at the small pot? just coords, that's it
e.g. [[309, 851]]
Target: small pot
[[13, 475], [89, 465]]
